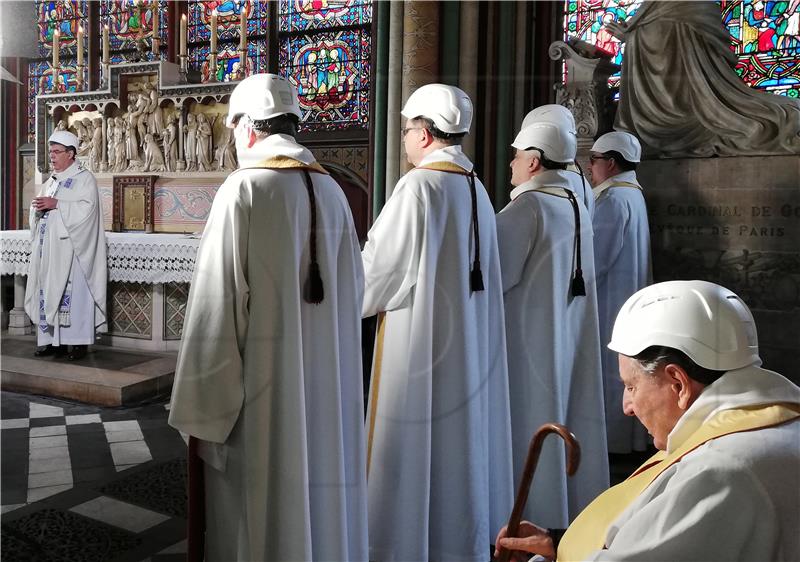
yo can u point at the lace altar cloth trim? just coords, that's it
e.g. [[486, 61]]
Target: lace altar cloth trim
[[132, 257]]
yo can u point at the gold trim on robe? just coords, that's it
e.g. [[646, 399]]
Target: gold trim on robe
[[286, 162], [588, 532], [375, 383]]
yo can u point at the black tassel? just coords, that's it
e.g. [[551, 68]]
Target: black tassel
[[476, 277], [578, 286], [313, 291]]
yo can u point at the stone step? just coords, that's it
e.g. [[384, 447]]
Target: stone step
[[106, 376]]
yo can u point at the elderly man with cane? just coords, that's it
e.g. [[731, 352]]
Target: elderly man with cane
[[724, 485]]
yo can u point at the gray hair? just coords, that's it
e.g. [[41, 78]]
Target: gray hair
[[649, 366]]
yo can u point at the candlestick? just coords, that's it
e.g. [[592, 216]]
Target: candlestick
[[56, 41], [212, 66], [214, 31], [155, 41], [243, 28], [80, 45], [183, 36], [106, 46]]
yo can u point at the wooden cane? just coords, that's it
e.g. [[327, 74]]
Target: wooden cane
[[534, 450]]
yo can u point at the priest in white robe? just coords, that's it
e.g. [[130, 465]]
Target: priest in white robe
[[547, 263], [269, 373], [562, 117], [622, 255], [65, 294], [724, 485], [438, 417]]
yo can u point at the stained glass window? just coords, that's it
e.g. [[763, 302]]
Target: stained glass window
[[764, 35], [130, 21], [228, 35], [64, 16], [766, 38], [325, 50]]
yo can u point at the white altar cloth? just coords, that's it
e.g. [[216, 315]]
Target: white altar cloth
[[133, 257]]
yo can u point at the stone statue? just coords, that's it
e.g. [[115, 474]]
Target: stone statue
[[153, 158], [121, 141], [226, 150], [190, 146], [62, 125], [110, 154], [169, 139], [83, 130], [205, 144], [680, 94], [155, 119], [142, 107], [131, 140], [96, 157]]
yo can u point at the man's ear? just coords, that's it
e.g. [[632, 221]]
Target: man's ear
[[685, 388], [251, 136]]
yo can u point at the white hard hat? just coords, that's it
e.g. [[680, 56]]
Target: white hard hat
[[448, 107], [262, 96], [64, 137], [550, 113], [707, 322], [624, 143], [556, 143]]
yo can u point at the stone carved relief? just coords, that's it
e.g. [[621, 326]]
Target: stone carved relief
[[143, 136]]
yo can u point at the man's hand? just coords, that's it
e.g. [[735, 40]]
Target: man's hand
[[617, 28], [532, 540], [44, 203]]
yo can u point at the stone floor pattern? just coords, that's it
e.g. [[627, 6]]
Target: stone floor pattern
[[83, 482]]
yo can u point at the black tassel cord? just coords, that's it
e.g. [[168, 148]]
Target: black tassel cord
[[578, 285], [313, 291], [475, 275]]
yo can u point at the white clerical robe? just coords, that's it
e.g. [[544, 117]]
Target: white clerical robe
[[272, 384], [622, 255], [735, 498], [581, 187], [440, 482], [553, 344], [66, 289]]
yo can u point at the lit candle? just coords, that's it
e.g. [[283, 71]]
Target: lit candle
[[183, 35], [155, 28], [106, 45], [243, 27], [56, 38], [80, 45], [214, 31]]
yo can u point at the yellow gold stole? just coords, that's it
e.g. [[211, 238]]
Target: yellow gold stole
[[588, 532], [287, 162]]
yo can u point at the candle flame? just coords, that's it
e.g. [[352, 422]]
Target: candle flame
[[183, 17], [80, 29], [214, 13], [57, 32], [106, 27]]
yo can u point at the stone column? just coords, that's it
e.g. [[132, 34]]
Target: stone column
[[586, 93], [468, 66], [394, 94], [18, 322]]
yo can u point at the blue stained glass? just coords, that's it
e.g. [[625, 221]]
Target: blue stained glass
[[331, 71], [65, 16], [228, 19], [126, 23], [301, 15]]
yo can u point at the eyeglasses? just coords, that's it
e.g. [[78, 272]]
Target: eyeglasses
[[405, 130], [57, 151], [594, 158]]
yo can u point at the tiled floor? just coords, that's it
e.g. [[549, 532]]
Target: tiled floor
[[90, 483]]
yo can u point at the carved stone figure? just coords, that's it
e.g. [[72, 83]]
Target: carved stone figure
[[680, 94], [205, 144], [155, 119], [142, 106], [169, 139], [62, 125], [120, 144], [153, 158], [96, 158], [110, 154], [226, 150], [83, 131], [131, 140], [190, 145]]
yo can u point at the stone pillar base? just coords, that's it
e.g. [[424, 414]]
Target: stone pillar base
[[18, 323]]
